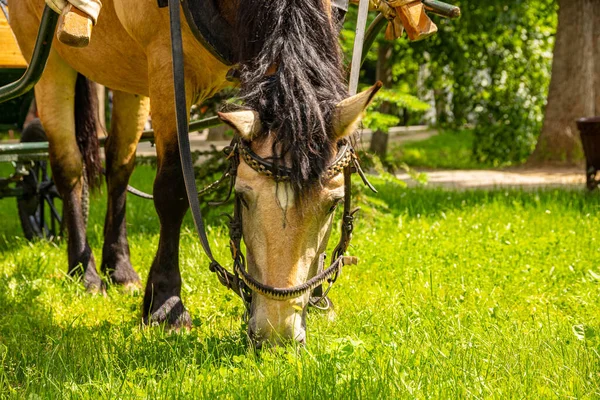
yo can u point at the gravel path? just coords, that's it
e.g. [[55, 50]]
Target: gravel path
[[511, 178]]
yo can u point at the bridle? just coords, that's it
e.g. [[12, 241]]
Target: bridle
[[240, 281]]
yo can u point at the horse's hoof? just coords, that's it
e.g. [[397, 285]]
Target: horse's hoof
[[95, 286], [173, 314], [122, 273]]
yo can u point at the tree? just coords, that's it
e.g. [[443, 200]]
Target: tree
[[489, 69], [575, 83]]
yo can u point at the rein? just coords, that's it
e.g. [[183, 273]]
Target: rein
[[240, 281]]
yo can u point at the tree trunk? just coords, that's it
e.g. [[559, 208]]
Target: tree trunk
[[379, 144], [379, 139], [596, 44], [575, 74], [440, 98]]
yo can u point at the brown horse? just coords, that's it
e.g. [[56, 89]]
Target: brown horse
[[295, 114]]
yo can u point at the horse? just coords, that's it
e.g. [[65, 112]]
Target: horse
[[296, 111]]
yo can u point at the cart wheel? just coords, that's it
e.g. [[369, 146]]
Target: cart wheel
[[38, 206], [38, 212]]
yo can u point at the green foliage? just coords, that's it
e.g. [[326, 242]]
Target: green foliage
[[509, 136], [490, 69], [457, 295], [400, 100], [511, 101], [395, 98], [377, 120]]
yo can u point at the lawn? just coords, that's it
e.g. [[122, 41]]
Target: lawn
[[457, 294], [450, 149]]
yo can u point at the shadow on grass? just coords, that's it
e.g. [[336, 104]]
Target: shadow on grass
[[40, 355]]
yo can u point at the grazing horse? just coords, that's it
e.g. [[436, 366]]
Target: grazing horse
[[295, 113]]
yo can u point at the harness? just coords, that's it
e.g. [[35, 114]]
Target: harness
[[240, 280]]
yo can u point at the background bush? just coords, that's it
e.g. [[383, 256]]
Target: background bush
[[489, 69]]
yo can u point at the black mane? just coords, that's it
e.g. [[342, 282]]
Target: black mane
[[292, 76]]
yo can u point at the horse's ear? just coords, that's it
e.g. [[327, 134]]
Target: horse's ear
[[246, 122], [349, 112]]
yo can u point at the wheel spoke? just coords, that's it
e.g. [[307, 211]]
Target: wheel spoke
[[38, 189], [35, 225], [54, 214], [42, 216]]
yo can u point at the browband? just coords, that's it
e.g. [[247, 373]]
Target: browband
[[283, 173]]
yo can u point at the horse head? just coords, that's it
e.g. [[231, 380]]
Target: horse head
[[285, 236]]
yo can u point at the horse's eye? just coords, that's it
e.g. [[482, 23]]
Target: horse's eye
[[336, 202]]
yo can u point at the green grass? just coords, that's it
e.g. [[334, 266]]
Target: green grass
[[451, 149], [458, 294]]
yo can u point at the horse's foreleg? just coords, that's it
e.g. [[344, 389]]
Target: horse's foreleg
[[130, 112], [55, 96], [162, 298]]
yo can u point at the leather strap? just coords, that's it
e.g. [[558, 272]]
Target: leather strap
[[185, 155]]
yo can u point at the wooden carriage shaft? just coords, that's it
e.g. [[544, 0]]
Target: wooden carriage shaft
[[359, 40]]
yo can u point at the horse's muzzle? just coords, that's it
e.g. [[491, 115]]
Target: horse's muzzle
[[276, 325]]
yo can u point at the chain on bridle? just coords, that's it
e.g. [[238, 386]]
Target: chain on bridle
[[240, 280]]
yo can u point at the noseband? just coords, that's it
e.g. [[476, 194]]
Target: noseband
[[240, 281]]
